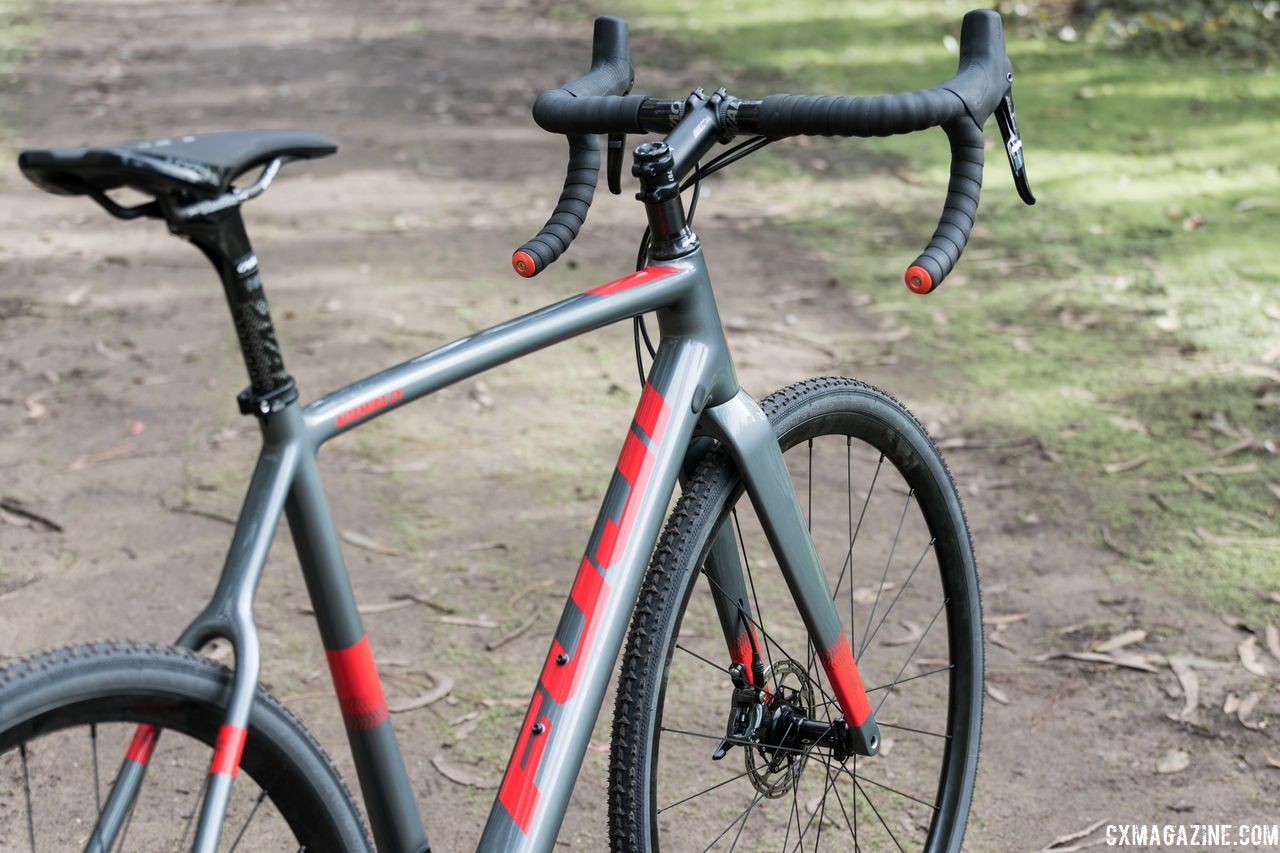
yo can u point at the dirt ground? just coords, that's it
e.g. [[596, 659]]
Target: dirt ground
[[119, 370]]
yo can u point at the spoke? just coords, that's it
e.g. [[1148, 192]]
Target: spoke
[[901, 590], [742, 544], [704, 791], [909, 729], [199, 805], [907, 662], [741, 817], [862, 791], [794, 816], [848, 555], [946, 668], [715, 666], [743, 825], [26, 789], [853, 828], [822, 812], [924, 803], [767, 637], [97, 790], [262, 796], [826, 789], [885, 574]]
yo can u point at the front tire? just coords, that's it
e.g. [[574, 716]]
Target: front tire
[[674, 692]]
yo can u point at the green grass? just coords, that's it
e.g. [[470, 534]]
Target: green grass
[[1126, 314]]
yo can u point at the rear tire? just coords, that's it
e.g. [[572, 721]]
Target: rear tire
[[72, 708], [705, 797]]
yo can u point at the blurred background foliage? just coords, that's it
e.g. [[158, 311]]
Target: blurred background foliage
[[1128, 325], [1222, 29]]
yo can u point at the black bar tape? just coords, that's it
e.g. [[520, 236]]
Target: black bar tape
[[561, 112], [875, 115], [940, 256], [571, 211], [574, 109]]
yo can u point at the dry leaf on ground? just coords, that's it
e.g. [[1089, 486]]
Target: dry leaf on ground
[[460, 776], [1056, 845], [1129, 660], [1231, 704], [1250, 659], [1274, 762], [1005, 619], [914, 633], [865, 595], [361, 541], [1173, 761], [1255, 541], [1245, 712], [1128, 464], [1273, 640], [1190, 683], [997, 638], [98, 458], [997, 694], [514, 633], [1119, 641], [443, 686]]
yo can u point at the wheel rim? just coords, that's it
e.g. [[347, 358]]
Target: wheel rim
[[897, 800], [56, 774]]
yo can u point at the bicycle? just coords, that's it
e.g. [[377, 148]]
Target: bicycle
[[796, 721]]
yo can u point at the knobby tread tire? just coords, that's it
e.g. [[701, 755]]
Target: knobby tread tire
[[679, 551], [69, 682]]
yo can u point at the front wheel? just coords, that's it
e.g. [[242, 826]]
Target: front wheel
[[891, 534], [69, 717]]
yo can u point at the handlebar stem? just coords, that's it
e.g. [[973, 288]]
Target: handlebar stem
[[699, 129], [670, 236]]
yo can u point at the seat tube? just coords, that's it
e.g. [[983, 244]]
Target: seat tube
[[384, 781]]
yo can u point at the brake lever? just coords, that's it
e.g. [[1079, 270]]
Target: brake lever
[[613, 163], [1008, 121]]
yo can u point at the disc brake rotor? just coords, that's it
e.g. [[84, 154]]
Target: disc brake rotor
[[775, 769]]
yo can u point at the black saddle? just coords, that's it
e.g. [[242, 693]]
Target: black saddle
[[200, 166]]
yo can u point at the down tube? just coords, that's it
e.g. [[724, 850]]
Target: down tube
[[534, 795]]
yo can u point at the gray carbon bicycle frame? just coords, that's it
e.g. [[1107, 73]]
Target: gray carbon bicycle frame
[[691, 388]]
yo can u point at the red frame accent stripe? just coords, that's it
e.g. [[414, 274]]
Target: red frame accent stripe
[[589, 590], [359, 689], [228, 750], [643, 276], [367, 408], [652, 413], [142, 744], [518, 794], [559, 680], [845, 680]]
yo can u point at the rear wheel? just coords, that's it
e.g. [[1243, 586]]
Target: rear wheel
[[67, 718], [893, 541]]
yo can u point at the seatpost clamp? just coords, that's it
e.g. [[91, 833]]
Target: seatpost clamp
[[268, 403]]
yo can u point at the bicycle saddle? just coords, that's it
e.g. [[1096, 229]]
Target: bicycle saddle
[[203, 165]]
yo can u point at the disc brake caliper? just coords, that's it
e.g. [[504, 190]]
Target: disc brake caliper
[[745, 715]]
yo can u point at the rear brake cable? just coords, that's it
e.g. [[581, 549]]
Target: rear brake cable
[[639, 328]]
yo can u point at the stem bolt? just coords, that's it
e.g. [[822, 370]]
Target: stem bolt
[[539, 728]]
